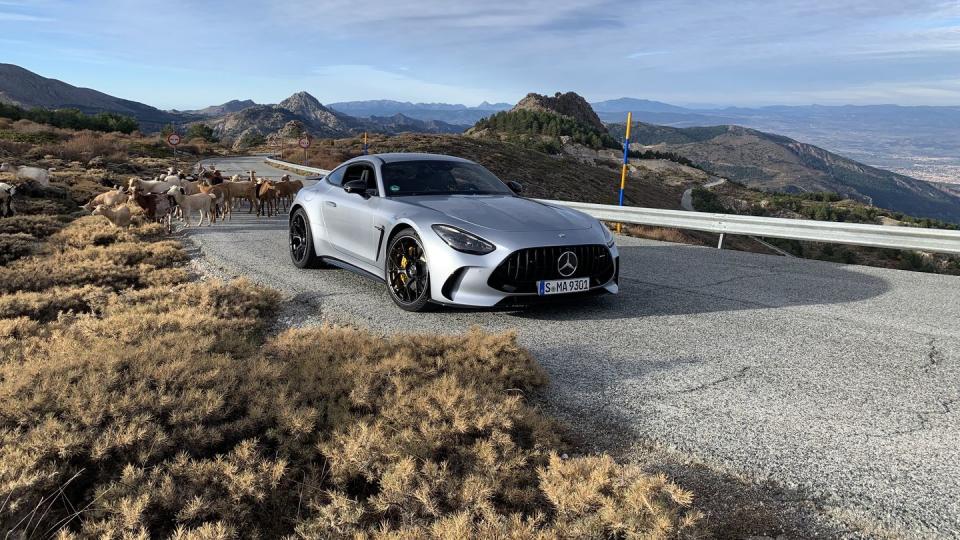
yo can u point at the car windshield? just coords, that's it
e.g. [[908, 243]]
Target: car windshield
[[440, 177]]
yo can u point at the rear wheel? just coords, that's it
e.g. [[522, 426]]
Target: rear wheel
[[408, 277], [301, 242]]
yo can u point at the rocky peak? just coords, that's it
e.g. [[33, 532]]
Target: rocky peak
[[304, 104], [568, 104]]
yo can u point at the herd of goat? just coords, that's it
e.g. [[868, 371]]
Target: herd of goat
[[177, 195]]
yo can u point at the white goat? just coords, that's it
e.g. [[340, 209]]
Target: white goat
[[153, 186], [38, 175], [6, 199], [188, 203]]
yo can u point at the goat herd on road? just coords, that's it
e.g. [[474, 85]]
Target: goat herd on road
[[176, 195]]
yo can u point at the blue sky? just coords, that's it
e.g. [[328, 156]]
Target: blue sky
[[188, 54]]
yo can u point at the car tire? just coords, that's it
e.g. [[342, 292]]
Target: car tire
[[407, 272], [302, 253]]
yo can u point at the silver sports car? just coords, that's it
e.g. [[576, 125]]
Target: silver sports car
[[444, 230]]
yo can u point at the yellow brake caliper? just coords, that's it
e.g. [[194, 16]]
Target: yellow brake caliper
[[403, 266]]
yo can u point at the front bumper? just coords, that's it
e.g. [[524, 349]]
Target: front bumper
[[461, 279]]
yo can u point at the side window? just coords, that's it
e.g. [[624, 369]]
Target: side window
[[336, 177], [362, 171]]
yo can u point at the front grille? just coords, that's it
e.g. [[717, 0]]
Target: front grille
[[521, 270]]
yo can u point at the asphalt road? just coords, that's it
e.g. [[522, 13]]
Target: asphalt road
[[242, 165], [839, 384]]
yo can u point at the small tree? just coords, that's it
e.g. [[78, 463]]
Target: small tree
[[201, 131]]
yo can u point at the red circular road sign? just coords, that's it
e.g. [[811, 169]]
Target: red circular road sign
[[173, 139], [304, 142]]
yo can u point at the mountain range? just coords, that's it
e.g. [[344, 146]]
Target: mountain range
[[231, 120], [301, 112], [756, 158]]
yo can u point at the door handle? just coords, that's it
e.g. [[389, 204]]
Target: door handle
[[331, 203]]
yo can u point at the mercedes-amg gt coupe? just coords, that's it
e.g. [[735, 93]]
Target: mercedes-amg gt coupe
[[445, 230]]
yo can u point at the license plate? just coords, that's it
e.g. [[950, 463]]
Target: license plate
[[562, 286]]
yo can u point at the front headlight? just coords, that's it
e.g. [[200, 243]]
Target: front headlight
[[463, 241], [607, 235]]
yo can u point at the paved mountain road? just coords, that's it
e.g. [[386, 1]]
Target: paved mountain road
[[243, 164], [840, 383]]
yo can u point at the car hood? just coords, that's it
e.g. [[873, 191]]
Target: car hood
[[505, 212]]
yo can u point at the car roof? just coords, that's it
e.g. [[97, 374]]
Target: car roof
[[393, 157]]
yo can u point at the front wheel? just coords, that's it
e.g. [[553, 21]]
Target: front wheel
[[408, 277], [301, 242]]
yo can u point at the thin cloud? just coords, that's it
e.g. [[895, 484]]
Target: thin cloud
[[22, 17]]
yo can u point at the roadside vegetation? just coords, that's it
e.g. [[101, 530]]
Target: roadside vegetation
[[829, 207], [139, 400], [71, 119], [27, 142]]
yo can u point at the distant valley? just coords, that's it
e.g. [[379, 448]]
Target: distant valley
[[923, 142]]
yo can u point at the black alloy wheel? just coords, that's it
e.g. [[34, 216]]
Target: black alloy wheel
[[301, 242], [408, 277]]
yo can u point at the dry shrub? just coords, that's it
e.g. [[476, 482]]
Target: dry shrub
[[38, 226], [97, 231], [15, 246], [13, 148], [47, 305], [90, 251], [162, 419], [660, 233], [84, 145]]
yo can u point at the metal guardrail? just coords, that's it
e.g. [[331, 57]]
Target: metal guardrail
[[880, 236], [294, 166], [857, 234]]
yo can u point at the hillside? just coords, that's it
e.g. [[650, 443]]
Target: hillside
[[777, 163], [26, 89], [543, 175]]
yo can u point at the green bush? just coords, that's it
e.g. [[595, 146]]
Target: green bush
[[526, 122], [705, 200], [201, 131], [71, 119]]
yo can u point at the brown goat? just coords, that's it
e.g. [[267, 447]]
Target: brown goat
[[267, 194]]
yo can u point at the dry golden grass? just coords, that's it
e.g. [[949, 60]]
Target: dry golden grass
[[36, 225], [137, 403], [15, 246], [90, 251]]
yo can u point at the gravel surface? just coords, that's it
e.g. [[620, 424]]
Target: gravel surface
[[835, 389]]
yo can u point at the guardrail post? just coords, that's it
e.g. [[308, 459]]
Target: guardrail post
[[720, 243]]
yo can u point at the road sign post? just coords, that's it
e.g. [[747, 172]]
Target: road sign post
[[364, 143], [626, 157], [304, 143], [173, 140]]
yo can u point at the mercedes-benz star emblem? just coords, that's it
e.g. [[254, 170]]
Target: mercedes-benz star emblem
[[567, 263]]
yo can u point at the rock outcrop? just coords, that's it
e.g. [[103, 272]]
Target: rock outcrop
[[567, 104]]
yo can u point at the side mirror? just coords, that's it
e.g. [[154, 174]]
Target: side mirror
[[516, 187], [358, 187]]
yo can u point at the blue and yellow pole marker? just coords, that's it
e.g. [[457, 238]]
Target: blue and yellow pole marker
[[626, 156], [364, 143]]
